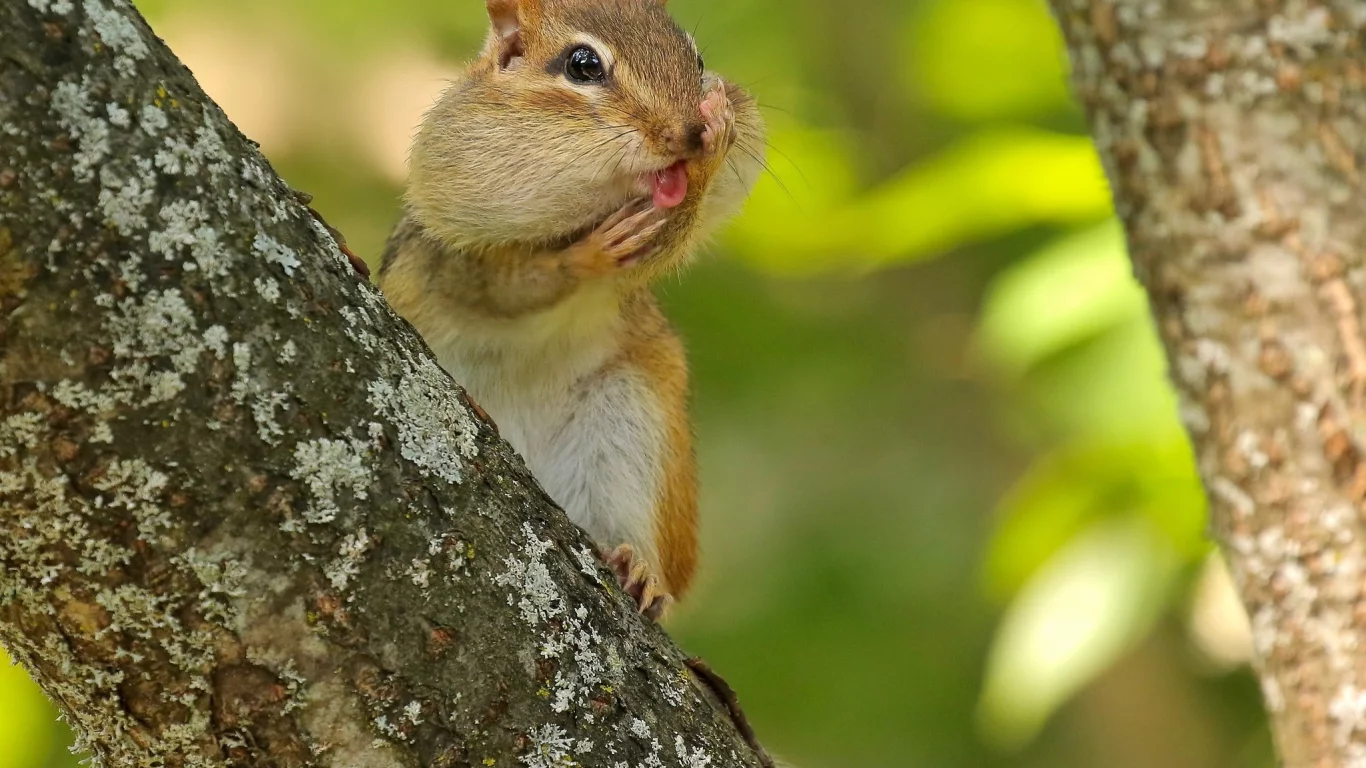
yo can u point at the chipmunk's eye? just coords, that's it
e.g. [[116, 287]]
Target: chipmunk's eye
[[701, 65], [583, 65]]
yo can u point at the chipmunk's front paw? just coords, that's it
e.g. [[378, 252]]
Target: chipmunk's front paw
[[634, 576], [624, 238], [719, 115]]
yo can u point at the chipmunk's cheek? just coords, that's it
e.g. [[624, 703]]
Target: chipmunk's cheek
[[670, 185]]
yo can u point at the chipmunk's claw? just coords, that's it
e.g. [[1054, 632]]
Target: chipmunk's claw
[[719, 115], [636, 580], [620, 241], [478, 411], [357, 263], [626, 235]]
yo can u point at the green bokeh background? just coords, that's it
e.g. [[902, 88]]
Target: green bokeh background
[[950, 515]]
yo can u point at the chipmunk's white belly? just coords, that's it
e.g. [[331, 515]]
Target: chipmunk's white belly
[[591, 433]]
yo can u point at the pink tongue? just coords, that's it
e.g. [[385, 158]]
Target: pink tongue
[[671, 185]]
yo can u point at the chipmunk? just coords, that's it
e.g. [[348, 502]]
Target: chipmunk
[[585, 153]]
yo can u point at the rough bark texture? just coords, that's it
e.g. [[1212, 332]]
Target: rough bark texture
[[1232, 132], [244, 517]]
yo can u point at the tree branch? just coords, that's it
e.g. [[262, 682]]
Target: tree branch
[[1232, 134], [245, 519]]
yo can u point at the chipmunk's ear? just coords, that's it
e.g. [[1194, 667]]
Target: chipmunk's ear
[[510, 18]]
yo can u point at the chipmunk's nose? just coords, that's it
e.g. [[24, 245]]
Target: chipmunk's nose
[[685, 139], [695, 136]]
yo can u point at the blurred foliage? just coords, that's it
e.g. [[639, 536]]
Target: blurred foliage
[[951, 515], [984, 186], [987, 60], [1087, 602]]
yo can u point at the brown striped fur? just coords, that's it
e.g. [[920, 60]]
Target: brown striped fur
[[503, 264]]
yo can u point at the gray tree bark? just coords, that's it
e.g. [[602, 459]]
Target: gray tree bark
[[1232, 133], [245, 519]]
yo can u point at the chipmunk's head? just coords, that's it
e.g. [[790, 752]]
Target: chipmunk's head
[[573, 108]]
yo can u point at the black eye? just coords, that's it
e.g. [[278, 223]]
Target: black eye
[[584, 66], [701, 65]]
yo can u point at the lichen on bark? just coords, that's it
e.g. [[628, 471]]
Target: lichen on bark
[[1232, 133], [244, 516]]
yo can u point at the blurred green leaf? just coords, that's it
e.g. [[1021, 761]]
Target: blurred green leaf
[[1074, 487], [1073, 289], [987, 185], [1068, 333], [809, 172], [987, 59], [1113, 385], [26, 724], [1092, 602], [1068, 330], [1088, 540]]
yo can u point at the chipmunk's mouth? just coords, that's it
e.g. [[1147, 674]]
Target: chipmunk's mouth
[[670, 185]]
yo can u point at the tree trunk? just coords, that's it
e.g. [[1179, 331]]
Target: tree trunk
[[1232, 134], [245, 519]]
